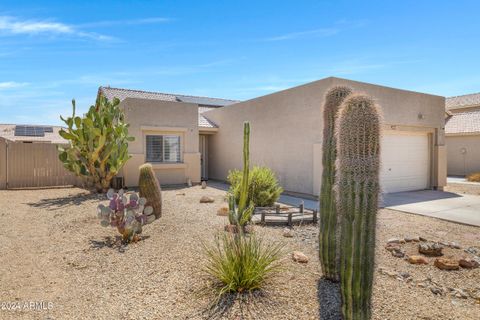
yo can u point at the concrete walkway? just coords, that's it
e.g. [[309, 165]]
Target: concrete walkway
[[462, 208]]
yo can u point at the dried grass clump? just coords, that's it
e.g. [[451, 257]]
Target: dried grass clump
[[474, 177]]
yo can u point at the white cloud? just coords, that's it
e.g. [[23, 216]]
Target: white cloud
[[12, 85], [323, 32], [15, 26], [108, 23]]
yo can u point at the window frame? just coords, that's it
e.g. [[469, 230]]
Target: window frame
[[163, 136]]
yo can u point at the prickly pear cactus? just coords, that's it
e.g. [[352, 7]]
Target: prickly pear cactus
[[357, 184], [126, 212], [328, 213]]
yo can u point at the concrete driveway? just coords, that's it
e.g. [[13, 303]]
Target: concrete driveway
[[462, 208]]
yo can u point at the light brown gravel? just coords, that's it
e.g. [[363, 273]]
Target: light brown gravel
[[53, 249]]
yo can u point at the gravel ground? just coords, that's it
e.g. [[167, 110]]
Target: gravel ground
[[463, 188], [54, 250]]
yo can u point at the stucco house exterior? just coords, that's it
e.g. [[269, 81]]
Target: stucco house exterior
[[206, 135], [462, 130]]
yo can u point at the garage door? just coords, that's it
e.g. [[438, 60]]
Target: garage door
[[405, 162]]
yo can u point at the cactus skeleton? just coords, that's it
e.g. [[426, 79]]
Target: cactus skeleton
[[328, 215], [357, 133], [150, 188]]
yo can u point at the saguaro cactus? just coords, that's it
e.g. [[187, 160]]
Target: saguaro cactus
[[328, 212], [241, 215], [150, 188], [357, 133]]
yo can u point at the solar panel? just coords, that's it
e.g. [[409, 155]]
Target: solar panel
[[48, 129], [29, 131]]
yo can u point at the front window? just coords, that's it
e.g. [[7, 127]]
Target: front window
[[163, 148]]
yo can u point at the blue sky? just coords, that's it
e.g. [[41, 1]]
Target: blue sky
[[53, 51]]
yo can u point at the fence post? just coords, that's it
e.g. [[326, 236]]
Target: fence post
[[262, 219], [277, 208], [289, 219], [315, 216], [301, 207]]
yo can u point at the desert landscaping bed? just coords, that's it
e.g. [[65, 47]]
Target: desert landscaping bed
[[54, 250]]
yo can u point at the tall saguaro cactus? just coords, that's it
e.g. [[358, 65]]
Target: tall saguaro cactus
[[328, 212], [357, 133], [241, 215]]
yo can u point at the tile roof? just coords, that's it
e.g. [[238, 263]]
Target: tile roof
[[465, 101], [7, 131], [463, 123], [205, 103]]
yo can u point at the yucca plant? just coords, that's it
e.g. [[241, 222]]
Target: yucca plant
[[239, 263]]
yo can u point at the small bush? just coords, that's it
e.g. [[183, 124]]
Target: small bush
[[263, 189], [240, 263], [474, 177]]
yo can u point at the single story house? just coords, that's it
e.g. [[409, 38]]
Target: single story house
[[462, 131], [29, 157], [189, 138]]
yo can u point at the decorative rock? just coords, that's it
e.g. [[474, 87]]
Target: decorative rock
[[288, 233], [412, 239], [392, 246], [454, 245], [446, 264], [398, 253], [393, 240], [436, 290], [468, 263], [417, 260], [473, 250], [432, 249], [300, 257], [204, 184], [461, 294], [422, 239], [205, 199], [223, 211]]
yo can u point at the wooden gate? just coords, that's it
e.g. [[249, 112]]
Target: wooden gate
[[36, 165]]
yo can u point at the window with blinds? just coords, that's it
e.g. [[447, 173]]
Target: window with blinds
[[163, 148]]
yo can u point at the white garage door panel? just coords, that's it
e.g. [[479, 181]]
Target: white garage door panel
[[405, 162]]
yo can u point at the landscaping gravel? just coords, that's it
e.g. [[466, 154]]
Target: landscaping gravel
[[54, 250]]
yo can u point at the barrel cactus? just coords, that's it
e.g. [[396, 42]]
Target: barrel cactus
[[127, 212], [150, 188], [328, 213], [241, 215], [357, 132]]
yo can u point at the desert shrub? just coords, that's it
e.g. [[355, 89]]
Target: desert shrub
[[240, 263], [263, 188], [474, 177], [149, 188]]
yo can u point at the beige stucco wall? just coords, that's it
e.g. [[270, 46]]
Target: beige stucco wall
[[463, 163], [287, 130], [162, 117], [3, 164]]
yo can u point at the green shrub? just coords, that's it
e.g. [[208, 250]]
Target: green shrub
[[240, 263], [263, 188], [474, 177]]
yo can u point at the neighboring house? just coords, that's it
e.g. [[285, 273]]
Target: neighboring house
[[462, 130], [29, 157], [187, 137], [170, 132]]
